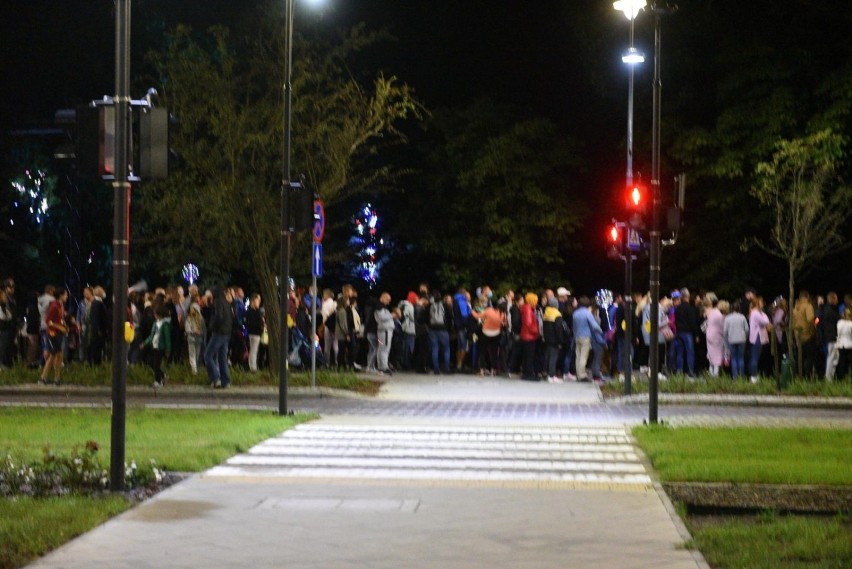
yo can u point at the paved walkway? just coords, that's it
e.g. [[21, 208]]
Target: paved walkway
[[436, 472], [382, 491]]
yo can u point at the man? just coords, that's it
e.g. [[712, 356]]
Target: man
[[829, 320], [461, 318], [99, 326], [7, 356], [440, 323], [804, 330], [686, 321], [220, 328], [384, 333], [584, 325], [43, 303]]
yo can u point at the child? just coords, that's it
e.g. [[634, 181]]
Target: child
[[160, 342]]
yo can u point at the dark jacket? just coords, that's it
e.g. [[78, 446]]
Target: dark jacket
[[686, 318], [222, 318]]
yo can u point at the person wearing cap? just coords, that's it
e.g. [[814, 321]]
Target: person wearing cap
[[686, 322]]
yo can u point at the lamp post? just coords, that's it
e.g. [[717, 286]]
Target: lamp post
[[286, 227], [632, 57], [286, 230]]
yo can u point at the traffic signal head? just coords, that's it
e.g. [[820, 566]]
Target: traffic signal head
[[637, 204], [614, 241]]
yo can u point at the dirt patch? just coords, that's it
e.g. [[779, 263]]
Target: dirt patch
[[778, 497]]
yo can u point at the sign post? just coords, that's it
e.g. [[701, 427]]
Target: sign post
[[316, 271]]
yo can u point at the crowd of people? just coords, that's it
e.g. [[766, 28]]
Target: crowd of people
[[549, 335]]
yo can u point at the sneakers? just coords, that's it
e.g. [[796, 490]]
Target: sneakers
[[554, 379], [754, 379], [157, 384], [570, 377]]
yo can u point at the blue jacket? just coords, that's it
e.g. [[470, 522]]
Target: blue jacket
[[584, 323]]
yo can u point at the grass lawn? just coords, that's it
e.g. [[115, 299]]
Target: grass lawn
[[753, 455], [749, 455], [772, 541], [179, 440], [725, 386], [179, 374]]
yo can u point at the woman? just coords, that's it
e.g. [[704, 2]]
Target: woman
[[715, 334], [254, 327], [195, 332], [736, 336], [759, 326], [493, 323], [844, 344], [343, 333], [56, 332], [529, 336]]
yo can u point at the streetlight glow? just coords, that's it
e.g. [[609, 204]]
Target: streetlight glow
[[633, 56], [630, 8]]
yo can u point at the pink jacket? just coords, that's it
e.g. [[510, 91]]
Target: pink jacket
[[757, 323]]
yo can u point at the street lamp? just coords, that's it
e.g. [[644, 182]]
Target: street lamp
[[286, 228], [632, 57]]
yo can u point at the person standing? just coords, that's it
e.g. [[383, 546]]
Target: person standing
[[409, 330], [254, 328], [7, 329], [844, 343], [715, 334], [439, 332], [736, 336], [99, 326], [55, 332], [804, 332], [686, 323], [195, 331], [159, 342], [585, 325], [529, 335], [552, 332], [758, 324], [216, 354], [384, 333], [830, 319]]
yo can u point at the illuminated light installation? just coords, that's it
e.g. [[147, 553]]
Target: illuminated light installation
[[367, 244], [190, 273], [35, 192]]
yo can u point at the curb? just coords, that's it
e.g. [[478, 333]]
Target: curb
[[780, 401], [181, 392]]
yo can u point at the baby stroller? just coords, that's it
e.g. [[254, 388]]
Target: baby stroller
[[300, 350]]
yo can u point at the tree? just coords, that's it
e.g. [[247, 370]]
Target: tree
[[496, 206], [800, 188], [220, 209]]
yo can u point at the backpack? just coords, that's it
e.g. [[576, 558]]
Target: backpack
[[436, 313]]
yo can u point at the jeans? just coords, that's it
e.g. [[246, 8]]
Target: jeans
[[373, 351], [384, 340], [831, 360], [685, 346], [737, 360], [551, 354], [440, 339], [216, 358], [755, 357]]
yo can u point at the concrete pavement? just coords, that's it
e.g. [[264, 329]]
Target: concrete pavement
[[385, 490]]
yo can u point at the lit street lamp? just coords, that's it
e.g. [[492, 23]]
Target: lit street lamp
[[286, 228], [632, 57]]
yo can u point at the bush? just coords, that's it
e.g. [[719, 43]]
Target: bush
[[80, 472]]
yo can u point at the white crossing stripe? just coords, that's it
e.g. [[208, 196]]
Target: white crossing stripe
[[444, 453]]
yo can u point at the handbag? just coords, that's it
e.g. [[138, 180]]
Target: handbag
[[667, 333]]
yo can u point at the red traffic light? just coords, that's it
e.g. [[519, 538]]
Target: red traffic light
[[636, 197], [614, 234]]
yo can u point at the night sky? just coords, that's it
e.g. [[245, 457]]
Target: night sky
[[536, 54]]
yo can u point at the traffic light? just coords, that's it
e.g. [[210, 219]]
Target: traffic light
[[301, 207], [615, 241], [637, 204]]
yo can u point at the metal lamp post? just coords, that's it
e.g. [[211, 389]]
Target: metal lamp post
[[632, 57]]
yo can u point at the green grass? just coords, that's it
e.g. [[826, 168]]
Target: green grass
[[749, 455], [31, 527], [775, 542], [180, 374], [725, 386], [179, 440]]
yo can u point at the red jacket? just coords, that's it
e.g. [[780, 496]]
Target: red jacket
[[529, 324]]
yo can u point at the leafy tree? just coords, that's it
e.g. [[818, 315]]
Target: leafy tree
[[221, 207], [799, 187], [497, 207]]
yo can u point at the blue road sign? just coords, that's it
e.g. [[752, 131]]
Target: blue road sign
[[316, 260], [634, 242]]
